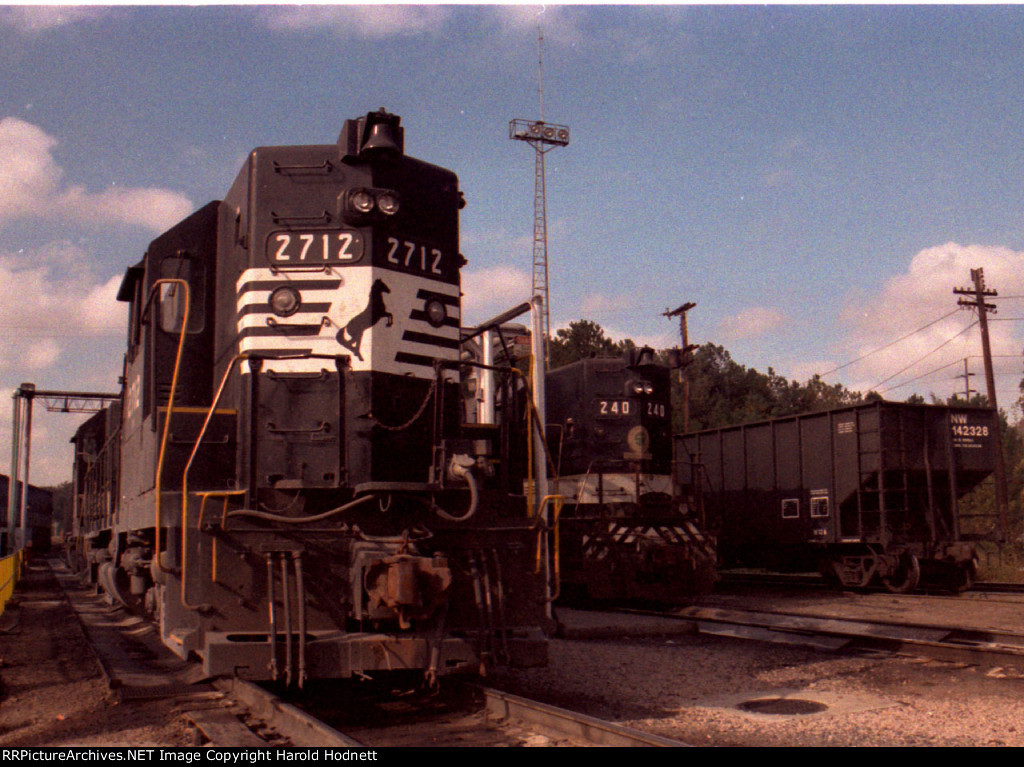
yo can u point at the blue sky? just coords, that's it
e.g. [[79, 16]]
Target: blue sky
[[817, 179]]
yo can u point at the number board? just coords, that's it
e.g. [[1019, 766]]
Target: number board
[[312, 248], [613, 407], [616, 407], [408, 254]]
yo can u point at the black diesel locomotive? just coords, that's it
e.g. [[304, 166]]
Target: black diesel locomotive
[[286, 484], [626, 531]]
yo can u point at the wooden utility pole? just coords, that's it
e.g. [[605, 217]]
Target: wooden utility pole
[[966, 375], [979, 293], [687, 350]]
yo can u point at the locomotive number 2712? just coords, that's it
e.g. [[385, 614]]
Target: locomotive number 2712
[[315, 247], [414, 255]]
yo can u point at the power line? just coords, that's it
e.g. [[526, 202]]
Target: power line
[[891, 343], [947, 341], [923, 375]]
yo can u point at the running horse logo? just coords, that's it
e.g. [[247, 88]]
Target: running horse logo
[[351, 336]]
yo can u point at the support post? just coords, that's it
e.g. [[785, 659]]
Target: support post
[[12, 484]]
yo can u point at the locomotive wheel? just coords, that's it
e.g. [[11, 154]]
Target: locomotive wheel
[[906, 576]]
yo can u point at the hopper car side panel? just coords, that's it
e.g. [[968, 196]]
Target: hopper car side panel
[[866, 492]]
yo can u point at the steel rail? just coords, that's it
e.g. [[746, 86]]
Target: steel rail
[[964, 644], [565, 723], [299, 727]]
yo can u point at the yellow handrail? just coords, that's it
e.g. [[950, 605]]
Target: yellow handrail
[[184, 480], [556, 501], [158, 480]]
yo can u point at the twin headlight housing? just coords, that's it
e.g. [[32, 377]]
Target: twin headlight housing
[[639, 387], [367, 202]]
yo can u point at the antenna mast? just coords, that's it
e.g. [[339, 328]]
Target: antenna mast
[[543, 137]]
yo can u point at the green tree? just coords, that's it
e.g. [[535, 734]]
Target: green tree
[[725, 393], [583, 339], [62, 502], [722, 391]]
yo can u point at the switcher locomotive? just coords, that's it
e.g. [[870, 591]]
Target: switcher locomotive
[[627, 530], [287, 485]]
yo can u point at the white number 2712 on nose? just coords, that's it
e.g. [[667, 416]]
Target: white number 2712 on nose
[[315, 247]]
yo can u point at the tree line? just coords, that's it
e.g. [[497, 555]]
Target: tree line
[[724, 392]]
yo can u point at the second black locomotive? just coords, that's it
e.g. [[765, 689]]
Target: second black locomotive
[[627, 530]]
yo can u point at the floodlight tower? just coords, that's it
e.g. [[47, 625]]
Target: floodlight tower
[[543, 137]]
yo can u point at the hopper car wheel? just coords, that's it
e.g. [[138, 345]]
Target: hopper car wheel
[[827, 569], [906, 576], [962, 577]]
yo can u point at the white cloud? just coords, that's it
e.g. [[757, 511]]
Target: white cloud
[[31, 185], [487, 292], [753, 322], [50, 298], [656, 341], [599, 304], [61, 327], [30, 19], [370, 21], [909, 305], [381, 20], [558, 26]]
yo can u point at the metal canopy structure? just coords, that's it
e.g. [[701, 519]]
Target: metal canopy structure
[[21, 446]]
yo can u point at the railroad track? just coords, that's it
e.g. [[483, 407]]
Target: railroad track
[[234, 712], [812, 581], [962, 644]]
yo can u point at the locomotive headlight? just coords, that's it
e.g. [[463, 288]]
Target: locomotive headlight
[[387, 203], [640, 387], [436, 313], [362, 201], [285, 301]]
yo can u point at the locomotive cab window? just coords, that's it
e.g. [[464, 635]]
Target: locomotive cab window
[[172, 297], [791, 508], [135, 318]]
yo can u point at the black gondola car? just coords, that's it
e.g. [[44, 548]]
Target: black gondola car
[[286, 485], [626, 530], [865, 493]]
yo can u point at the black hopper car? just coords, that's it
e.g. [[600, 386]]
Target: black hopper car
[[286, 484], [866, 494], [627, 530]]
